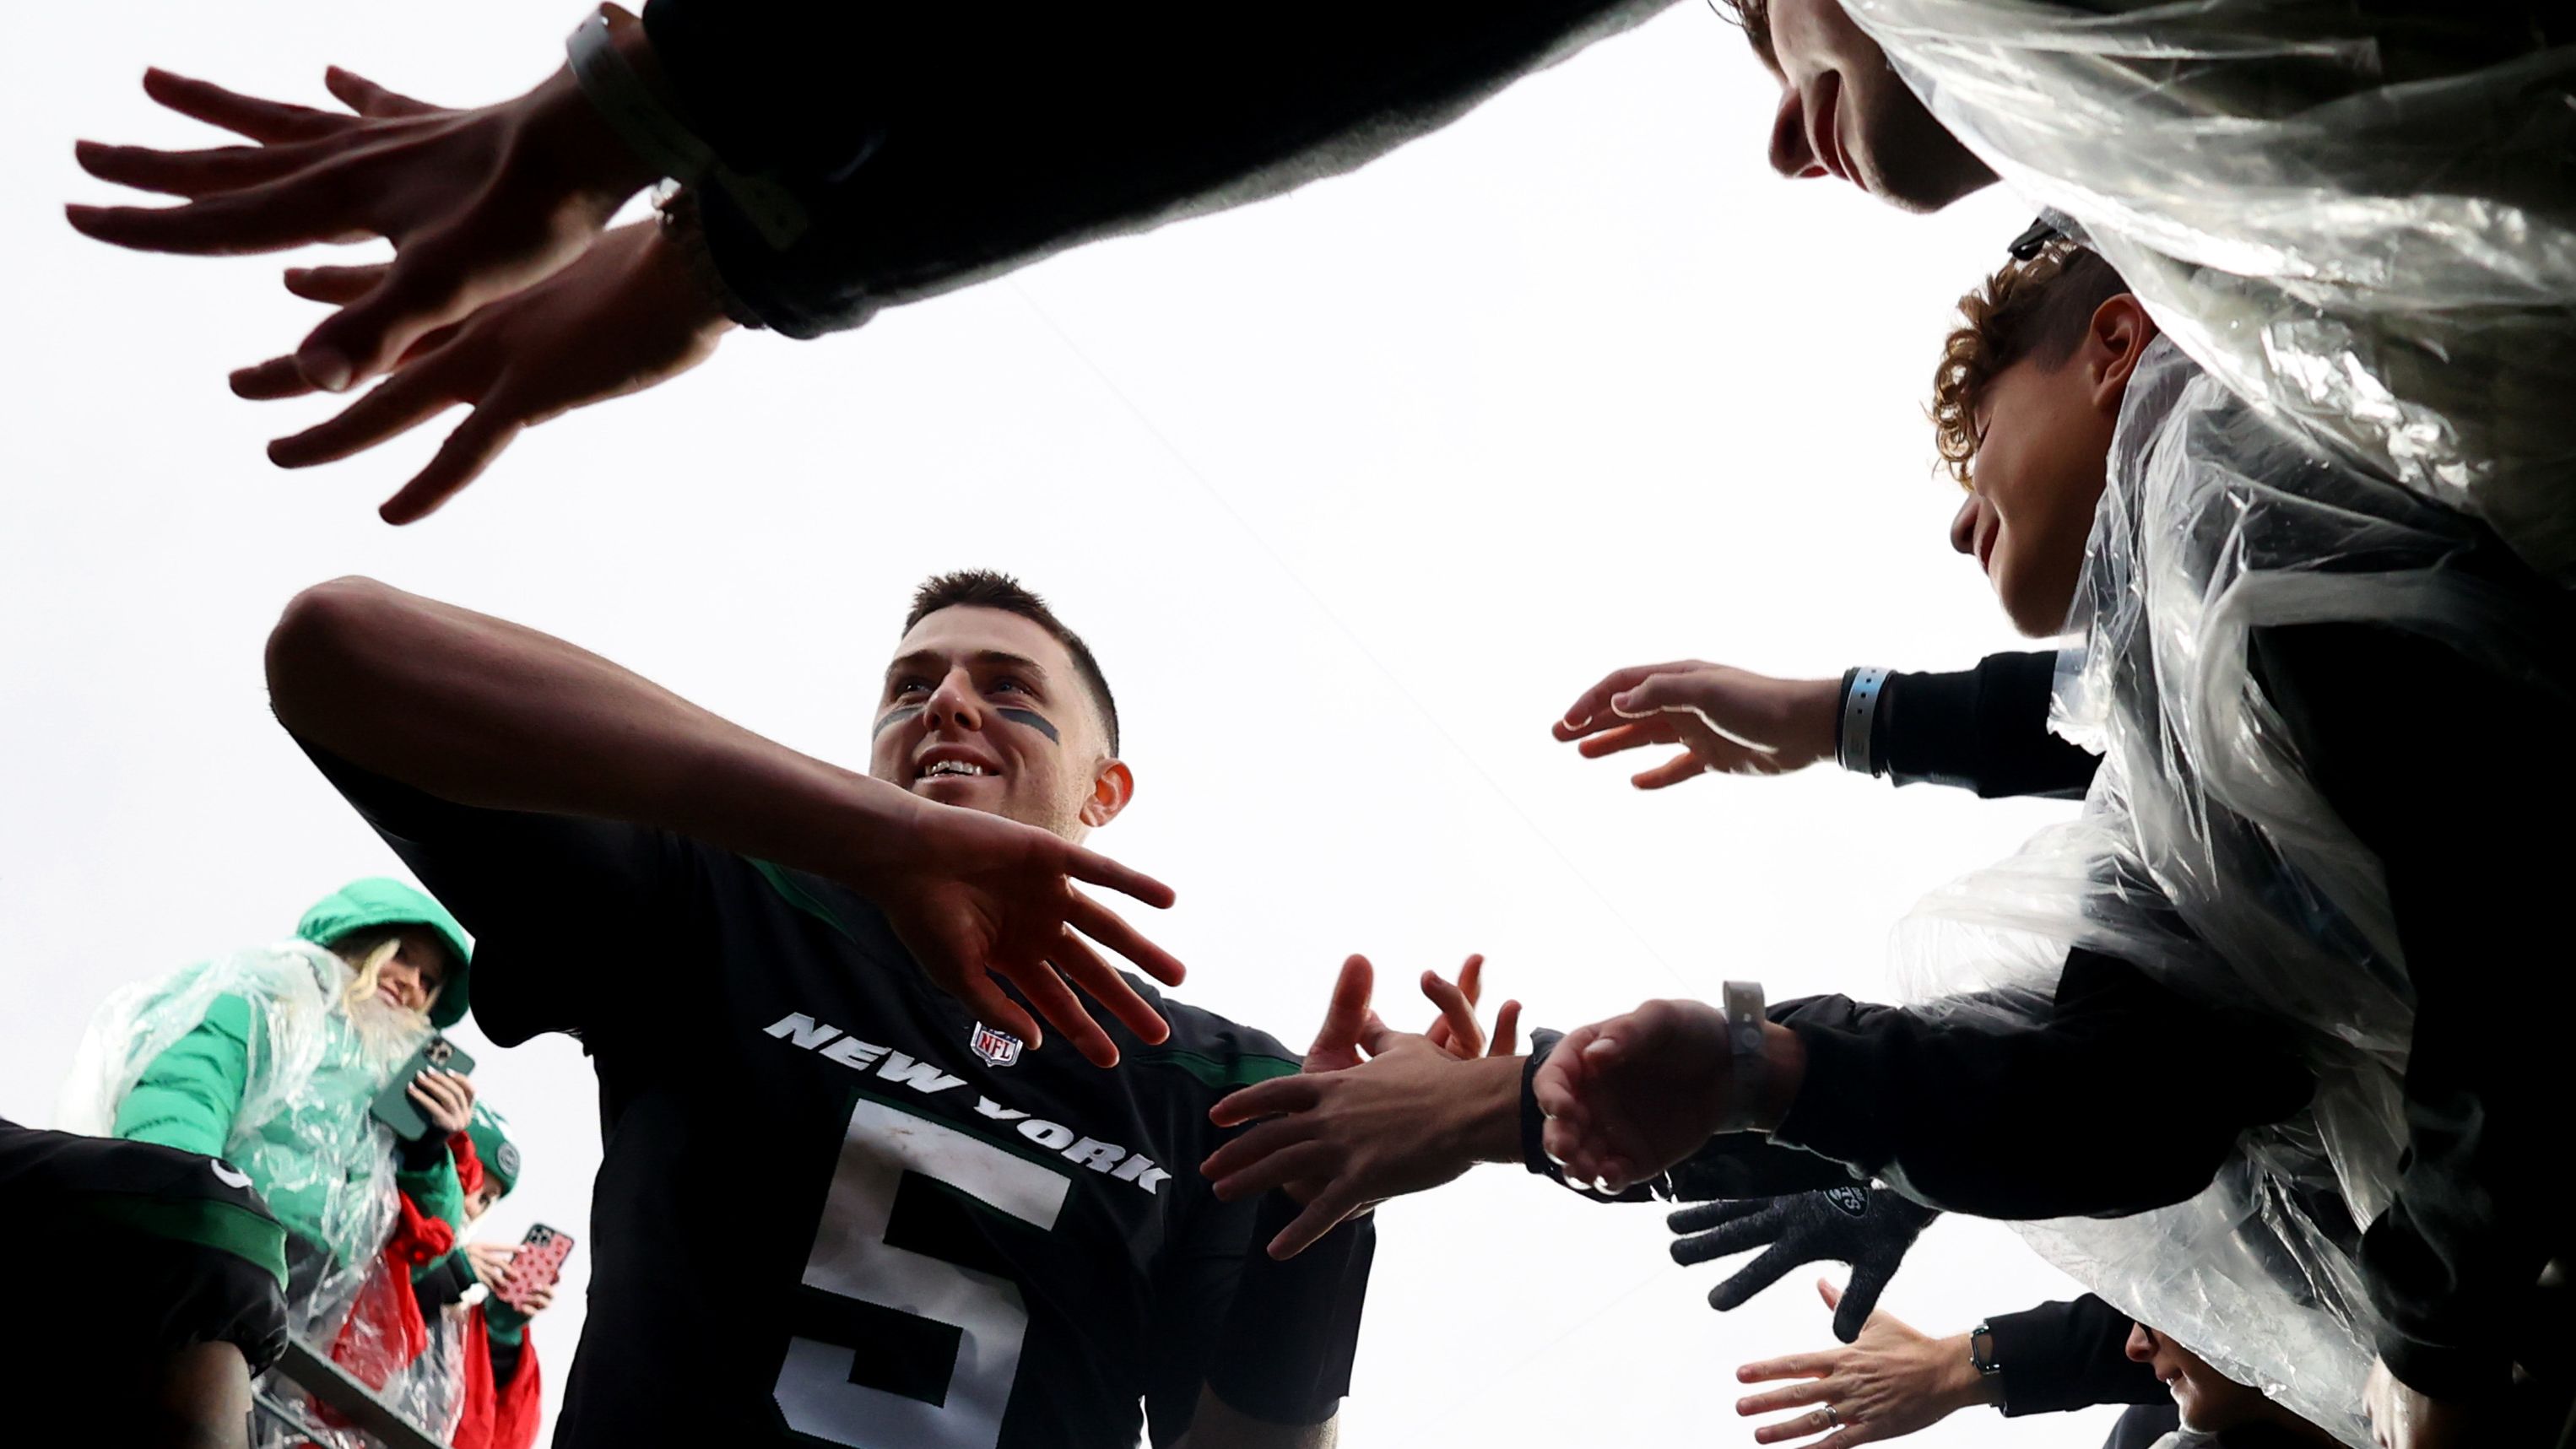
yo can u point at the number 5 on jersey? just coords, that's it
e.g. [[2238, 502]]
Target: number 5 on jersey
[[958, 1383]]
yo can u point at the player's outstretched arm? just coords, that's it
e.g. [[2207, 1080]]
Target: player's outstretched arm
[[483, 712], [1727, 721]]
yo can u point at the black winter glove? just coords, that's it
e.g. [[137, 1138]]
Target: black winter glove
[[1866, 1227]]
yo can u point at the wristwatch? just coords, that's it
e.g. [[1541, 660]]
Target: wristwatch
[[1981, 1350]]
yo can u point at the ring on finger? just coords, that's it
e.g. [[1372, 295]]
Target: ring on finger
[[1833, 1417]]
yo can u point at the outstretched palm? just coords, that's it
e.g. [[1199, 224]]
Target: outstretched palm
[[980, 900]]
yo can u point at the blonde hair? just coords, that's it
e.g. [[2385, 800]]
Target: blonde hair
[[2036, 308], [362, 984]]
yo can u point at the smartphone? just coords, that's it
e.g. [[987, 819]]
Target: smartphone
[[537, 1264], [394, 1106]]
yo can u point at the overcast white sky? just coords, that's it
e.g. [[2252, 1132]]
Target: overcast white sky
[[1352, 492]]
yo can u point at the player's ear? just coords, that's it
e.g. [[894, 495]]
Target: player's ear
[[1112, 786]]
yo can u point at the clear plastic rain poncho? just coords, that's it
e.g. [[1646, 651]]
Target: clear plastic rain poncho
[[2360, 214], [2204, 856], [304, 1136]]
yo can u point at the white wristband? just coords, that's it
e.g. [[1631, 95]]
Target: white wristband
[[1860, 718], [1748, 1069]]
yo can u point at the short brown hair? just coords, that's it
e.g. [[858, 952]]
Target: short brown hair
[[991, 589], [2028, 309]]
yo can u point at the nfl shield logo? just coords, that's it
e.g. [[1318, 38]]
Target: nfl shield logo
[[998, 1047]]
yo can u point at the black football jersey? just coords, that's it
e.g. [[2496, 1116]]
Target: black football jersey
[[834, 1208]]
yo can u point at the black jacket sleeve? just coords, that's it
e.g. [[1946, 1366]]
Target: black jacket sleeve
[[2070, 1355], [1983, 729], [932, 146], [1980, 1114], [2414, 746]]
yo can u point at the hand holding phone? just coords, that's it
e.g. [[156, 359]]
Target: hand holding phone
[[534, 1266], [398, 1106]]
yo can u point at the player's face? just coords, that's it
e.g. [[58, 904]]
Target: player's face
[[413, 976], [2210, 1401], [480, 1200], [1844, 113], [982, 708]]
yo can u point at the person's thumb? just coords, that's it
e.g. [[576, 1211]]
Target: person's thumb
[[1826, 1290], [1655, 692]]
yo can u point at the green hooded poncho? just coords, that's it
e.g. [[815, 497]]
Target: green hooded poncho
[[253, 1058]]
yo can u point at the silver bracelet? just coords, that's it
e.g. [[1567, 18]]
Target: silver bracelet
[[1860, 716], [1749, 1068], [664, 142]]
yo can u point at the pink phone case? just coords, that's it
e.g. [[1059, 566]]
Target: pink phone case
[[537, 1264]]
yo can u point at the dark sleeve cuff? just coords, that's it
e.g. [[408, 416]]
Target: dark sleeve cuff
[[1983, 729], [422, 1154], [1284, 1354], [443, 1282], [1533, 1122], [2059, 1357]]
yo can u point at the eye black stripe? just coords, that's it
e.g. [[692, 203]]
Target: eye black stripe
[[1032, 719]]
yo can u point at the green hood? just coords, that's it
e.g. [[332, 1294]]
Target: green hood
[[378, 901], [492, 1143]]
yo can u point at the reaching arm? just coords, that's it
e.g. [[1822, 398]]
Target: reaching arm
[[1983, 729], [482, 713], [1994, 1117]]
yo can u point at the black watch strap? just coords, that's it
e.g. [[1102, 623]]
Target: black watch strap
[[1981, 1350]]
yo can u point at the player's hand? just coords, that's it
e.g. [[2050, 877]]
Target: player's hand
[[1867, 1228], [1629, 1097], [445, 1100], [2402, 1418], [1409, 1118], [1455, 1030], [979, 900], [625, 316], [478, 203], [490, 1262], [1889, 1383], [1726, 720], [1348, 1021]]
